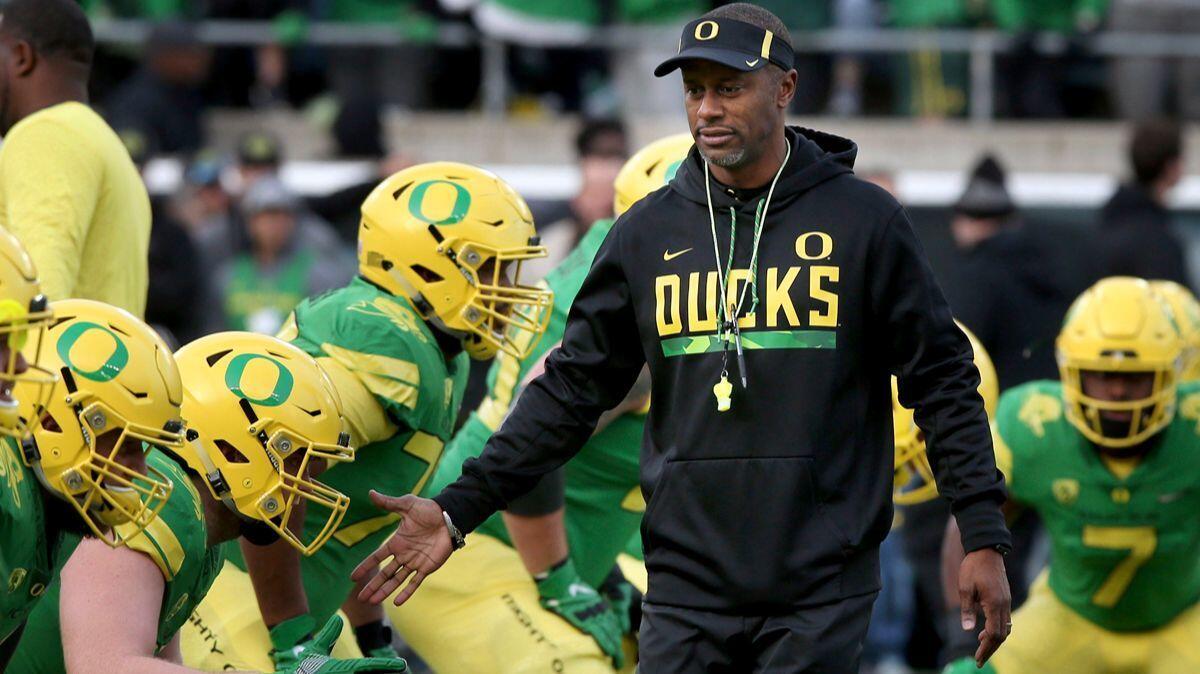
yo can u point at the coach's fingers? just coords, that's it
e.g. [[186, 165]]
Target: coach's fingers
[[967, 599], [369, 568], [995, 630], [395, 504], [402, 596]]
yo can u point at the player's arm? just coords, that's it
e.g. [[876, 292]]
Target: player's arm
[[109, 611], [598, 362], [50, 190]]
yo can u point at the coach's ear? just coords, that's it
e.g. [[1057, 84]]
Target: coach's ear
[[787, 89]]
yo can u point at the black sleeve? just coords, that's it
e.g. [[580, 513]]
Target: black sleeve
[[597, 363], [937, 379], [546, 497]]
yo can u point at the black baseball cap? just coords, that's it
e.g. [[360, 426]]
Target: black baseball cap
[[737, 44]]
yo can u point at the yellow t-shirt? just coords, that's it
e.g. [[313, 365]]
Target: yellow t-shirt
[[71, 194]]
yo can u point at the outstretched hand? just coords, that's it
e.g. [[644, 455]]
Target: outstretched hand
[[982, 582], [420, 545]]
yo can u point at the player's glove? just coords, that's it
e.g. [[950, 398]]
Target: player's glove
[[563, 592], [625, 599], [311, 656]]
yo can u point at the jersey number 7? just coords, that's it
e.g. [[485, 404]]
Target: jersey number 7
[[1139, 541]]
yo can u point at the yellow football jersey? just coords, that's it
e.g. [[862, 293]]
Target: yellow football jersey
[[71, 194]]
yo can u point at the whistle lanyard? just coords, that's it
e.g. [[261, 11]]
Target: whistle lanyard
[[728, 325]]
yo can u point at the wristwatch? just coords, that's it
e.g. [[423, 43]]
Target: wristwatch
[[457, 540]]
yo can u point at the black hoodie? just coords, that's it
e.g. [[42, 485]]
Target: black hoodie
[[781, 501]]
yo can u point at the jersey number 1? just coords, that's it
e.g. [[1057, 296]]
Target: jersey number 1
[[1139, 541]]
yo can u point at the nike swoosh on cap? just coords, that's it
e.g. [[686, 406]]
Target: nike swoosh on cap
[[668, 255]]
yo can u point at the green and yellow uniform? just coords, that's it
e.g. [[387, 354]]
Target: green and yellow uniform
[[400, 395], [176, 541], [26, 554], [470, 615], [1122, 593]]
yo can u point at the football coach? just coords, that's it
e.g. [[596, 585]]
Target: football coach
[[773, 294]]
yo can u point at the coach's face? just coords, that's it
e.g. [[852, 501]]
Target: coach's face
[[734, 115]]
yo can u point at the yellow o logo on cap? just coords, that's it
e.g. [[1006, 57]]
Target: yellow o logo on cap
[[712, 32]]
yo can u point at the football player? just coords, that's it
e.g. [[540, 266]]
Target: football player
[[440, 253], [83, 442], [550, 558], [1107, 457], [263, 416]]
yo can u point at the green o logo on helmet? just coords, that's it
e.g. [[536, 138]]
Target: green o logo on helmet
[[279, 393], [110, 368], [458, 211]]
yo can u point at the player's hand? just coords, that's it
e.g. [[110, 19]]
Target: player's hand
[[625, 600], [563, 592], [312, 656], [983, 583], [420, 545]]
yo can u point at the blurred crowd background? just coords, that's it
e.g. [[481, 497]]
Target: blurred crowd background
[[1039, 146]]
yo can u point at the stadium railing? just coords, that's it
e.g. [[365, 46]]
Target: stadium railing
[[982, 46]]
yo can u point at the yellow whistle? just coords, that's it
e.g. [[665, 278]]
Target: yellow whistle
[[723, 390]]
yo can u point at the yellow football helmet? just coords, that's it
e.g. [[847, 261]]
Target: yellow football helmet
[[23, 314], [452, 238], [119, 383], [1186, 311], [260, 414], [914, 481], [649, 169], [1120, 325]]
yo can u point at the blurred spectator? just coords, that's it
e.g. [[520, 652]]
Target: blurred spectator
[[846, 88], [259, 155], [636, 91], [258, 288], [164, 99], [1143, 85], [176, 290], [929, 83], [207, 209], [400, 75], [1035, 84], [1135, 225], [1015, 281], [601, 148]]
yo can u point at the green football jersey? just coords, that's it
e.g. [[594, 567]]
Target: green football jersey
[[26, 555], [388, 347], [1125, 552], [176, 541], [603, 497]]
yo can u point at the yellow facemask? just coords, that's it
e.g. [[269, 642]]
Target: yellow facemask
[[120, 395]]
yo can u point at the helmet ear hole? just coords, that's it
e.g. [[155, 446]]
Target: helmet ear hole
[[50, 424], [232, 454], [427, 275]]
